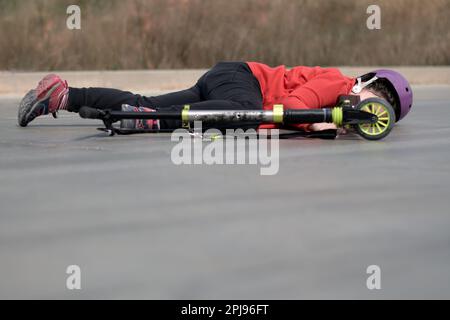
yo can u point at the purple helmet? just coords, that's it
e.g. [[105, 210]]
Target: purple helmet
[[401, 88]]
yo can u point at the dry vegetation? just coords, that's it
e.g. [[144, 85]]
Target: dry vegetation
[[138, 34]]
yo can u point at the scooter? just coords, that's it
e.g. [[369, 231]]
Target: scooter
[[372, 119]]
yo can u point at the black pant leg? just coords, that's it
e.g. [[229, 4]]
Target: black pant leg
[[227, 86], [232, 81], [105, 98]]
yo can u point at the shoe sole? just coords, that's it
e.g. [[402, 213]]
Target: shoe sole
[[30, 99]]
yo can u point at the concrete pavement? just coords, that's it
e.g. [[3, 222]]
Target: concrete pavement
[[141, 227]]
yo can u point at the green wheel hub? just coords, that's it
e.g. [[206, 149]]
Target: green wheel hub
[[384, 119]]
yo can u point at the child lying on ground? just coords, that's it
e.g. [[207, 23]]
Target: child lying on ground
[[228, 85]]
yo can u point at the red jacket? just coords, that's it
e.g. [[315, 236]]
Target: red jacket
[[300, 87]]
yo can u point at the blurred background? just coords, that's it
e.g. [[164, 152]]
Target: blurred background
[[165, 34]]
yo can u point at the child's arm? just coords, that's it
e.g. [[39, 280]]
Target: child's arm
[[322, 89]]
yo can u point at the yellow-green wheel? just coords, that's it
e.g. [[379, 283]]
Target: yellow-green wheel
[[386, 119]]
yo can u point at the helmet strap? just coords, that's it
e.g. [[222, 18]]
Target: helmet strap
[[357, 88]]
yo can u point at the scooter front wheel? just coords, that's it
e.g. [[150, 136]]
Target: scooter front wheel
[[386, 119]]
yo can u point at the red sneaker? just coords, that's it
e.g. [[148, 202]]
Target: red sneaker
[[50, 95], [138, 124]]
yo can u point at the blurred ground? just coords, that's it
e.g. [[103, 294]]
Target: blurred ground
[[141, 227]]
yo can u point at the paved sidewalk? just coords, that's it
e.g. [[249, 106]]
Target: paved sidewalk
[[18, 83]]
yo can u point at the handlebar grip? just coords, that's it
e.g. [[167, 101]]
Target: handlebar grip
[[307, 115], [90, 113]]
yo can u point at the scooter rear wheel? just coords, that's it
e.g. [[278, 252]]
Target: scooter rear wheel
[[386, 119]]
